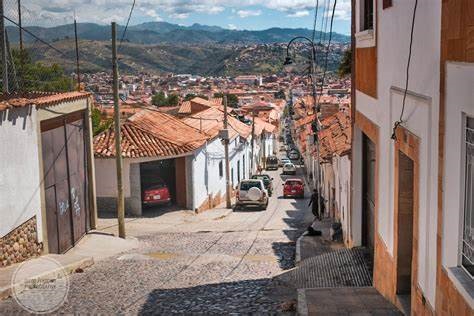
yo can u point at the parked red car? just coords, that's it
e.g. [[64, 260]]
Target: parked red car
[[157, 194], [293, 188]]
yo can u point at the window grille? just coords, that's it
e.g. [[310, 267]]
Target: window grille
[[467, 251]]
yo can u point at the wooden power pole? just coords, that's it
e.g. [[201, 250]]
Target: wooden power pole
[[118, 150], [226, 150], [4, 56]]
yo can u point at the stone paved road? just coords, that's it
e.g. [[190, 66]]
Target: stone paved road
[[195, 264]]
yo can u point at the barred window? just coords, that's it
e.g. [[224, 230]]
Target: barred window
[[467, 251]]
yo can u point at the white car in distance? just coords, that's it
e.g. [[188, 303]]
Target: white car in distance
[[289, 168]]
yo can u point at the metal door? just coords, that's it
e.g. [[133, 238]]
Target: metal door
[[77, 175], [64, 180]]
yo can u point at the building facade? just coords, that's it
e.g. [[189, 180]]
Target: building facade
[[410, 204], [47, 181]]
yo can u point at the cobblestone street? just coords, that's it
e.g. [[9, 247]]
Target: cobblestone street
[[212, 263]]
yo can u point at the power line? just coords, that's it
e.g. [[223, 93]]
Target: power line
[[400, 120], [126, 26], [36, 37], [327, 49], [315, 20]]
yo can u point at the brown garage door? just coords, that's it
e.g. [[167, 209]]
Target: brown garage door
[[65, 181]]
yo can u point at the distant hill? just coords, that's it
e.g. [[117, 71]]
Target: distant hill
[[207, 60], [161, 47], [151, 33]]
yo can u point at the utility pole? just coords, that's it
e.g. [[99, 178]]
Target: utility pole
[[253, 141], [4, 55], [226, 150], [20, 28], [118, 150], [78, 73]]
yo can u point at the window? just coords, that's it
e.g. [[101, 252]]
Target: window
[[467, 249], [367, 15], [221, 169]]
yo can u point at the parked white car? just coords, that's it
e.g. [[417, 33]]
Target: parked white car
[[289, 168], [252, 193], [294, 155]]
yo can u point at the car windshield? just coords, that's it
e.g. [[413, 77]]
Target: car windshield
[[263, 177], [293, 182], [272, 160], [247, 185], [289, 165]]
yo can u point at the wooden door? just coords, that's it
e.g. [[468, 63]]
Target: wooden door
[[368, 194]]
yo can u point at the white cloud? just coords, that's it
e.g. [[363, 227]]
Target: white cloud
[[247, 13], [153, 14], [298, 14], [50, 12], [179, 16], [231, 27]]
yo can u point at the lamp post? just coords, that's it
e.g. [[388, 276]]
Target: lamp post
[[316, 126]]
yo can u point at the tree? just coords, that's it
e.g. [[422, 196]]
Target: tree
[[36, 76], [191, 96], [280, 94], [99, 125], [346, 63], [232, 99], [159, 99], [173, 100]]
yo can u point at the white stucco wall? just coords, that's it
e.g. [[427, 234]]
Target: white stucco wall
[[106, 177], [205, 169], [459, 104], [342, 175], [420, 117], [20, 176]]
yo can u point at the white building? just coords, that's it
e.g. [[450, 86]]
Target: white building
[[46, 190], [409, 201]]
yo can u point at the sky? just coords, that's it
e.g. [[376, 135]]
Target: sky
[[230, 14]]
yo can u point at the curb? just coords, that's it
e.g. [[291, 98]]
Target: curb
[[298, 249], [6, 292], [302, 305]]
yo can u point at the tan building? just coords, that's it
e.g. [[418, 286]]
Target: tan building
[[412, 194]]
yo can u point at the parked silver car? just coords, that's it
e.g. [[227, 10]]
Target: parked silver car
[[252, 193]]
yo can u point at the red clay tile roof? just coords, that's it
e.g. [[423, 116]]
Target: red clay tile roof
[[41, 99], [150, 133], [335, 138], [261, 126], [211, 121]]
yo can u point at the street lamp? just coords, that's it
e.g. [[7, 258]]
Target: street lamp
[[316, 126]]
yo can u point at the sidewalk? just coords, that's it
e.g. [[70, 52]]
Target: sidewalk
[[163, 220], [331, 279], [92, 247]]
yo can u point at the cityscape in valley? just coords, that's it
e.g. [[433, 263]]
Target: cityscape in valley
[[193, 157]]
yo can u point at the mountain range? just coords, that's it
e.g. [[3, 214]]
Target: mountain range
[[163, 32], [160, 47]]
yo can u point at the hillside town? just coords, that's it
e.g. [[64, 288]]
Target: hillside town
[[305, 173]]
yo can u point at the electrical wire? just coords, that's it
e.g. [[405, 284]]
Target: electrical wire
[[126, 25], [400, 120], [327, 50], [315, 20], [34, 36]]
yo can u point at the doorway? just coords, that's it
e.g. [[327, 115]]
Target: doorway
[[368, 195], [405, 227], [65, 180]]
